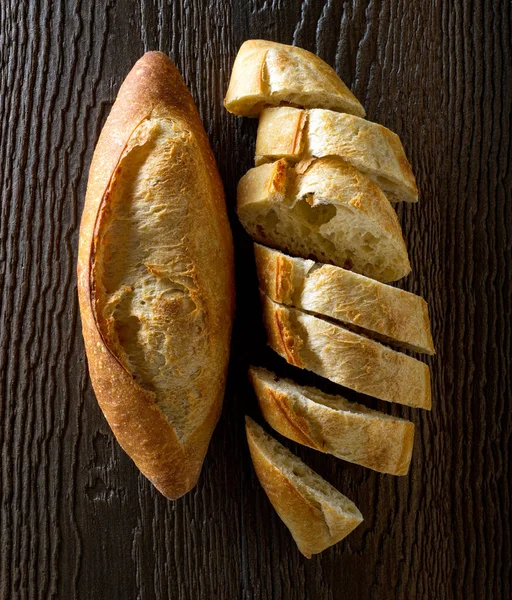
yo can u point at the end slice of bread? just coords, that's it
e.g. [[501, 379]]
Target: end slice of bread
[[270, 74], [316, 513], [345, 357], [334, 425], [381, 311], [324, 209], [373, 149]]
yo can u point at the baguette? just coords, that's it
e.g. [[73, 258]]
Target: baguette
[[344, 357], [324, 209], [381, 311], [376, 151], [333, 425], [155, 277], [317, 515], [270, 74]]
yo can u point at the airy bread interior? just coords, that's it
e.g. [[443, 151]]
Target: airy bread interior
[[334, 228], [145, 281], [313, 487]]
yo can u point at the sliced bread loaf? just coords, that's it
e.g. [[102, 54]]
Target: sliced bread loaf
[[334, 425], [270, 74], [316, 514], [324, 209], [345, 357], [384, 312], [376, 151]]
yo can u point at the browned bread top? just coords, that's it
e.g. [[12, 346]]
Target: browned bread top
[[334, 425], [345, 357], [270, 74], [155, 276], [387, 313], [297, 134]]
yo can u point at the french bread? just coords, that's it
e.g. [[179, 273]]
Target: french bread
[[298, 134], [345, 357], [325, 209], [317, 514], [155, 277], [386, 313], [270, 74], [334, 425]]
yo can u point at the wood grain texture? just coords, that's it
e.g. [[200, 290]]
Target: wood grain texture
[[76, 518]]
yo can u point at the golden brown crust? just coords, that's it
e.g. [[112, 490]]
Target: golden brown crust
[[387, 313], [276, 410], [298, 134], [333, 425], [346, 358], [153, 89], [314, 520], [269, 74]]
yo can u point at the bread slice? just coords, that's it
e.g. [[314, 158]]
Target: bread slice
[[384, 312], [345, 357], [317, 515], [270, 74], [324, 209], [334, 425], [376, 151]]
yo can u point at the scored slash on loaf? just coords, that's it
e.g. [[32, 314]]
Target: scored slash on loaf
[[320, 192]]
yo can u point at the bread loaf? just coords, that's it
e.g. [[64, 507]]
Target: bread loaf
[[324, 209], [346, 357], [386, 313], [270, 74], [333, 425], [317, 515], [155, 277], [376, 151]]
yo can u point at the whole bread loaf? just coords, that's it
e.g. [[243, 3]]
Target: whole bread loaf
[[155, 277]]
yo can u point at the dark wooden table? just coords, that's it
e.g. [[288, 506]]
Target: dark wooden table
[[77, 520]]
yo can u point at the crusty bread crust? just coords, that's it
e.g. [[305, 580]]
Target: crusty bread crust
[[390, 314], [333, 425], [269, 74], [345, 357], [376, 151], [315, 521], [359, 229], [155, 90]]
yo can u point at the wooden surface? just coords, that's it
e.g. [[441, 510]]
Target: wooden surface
[[76, 518]]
